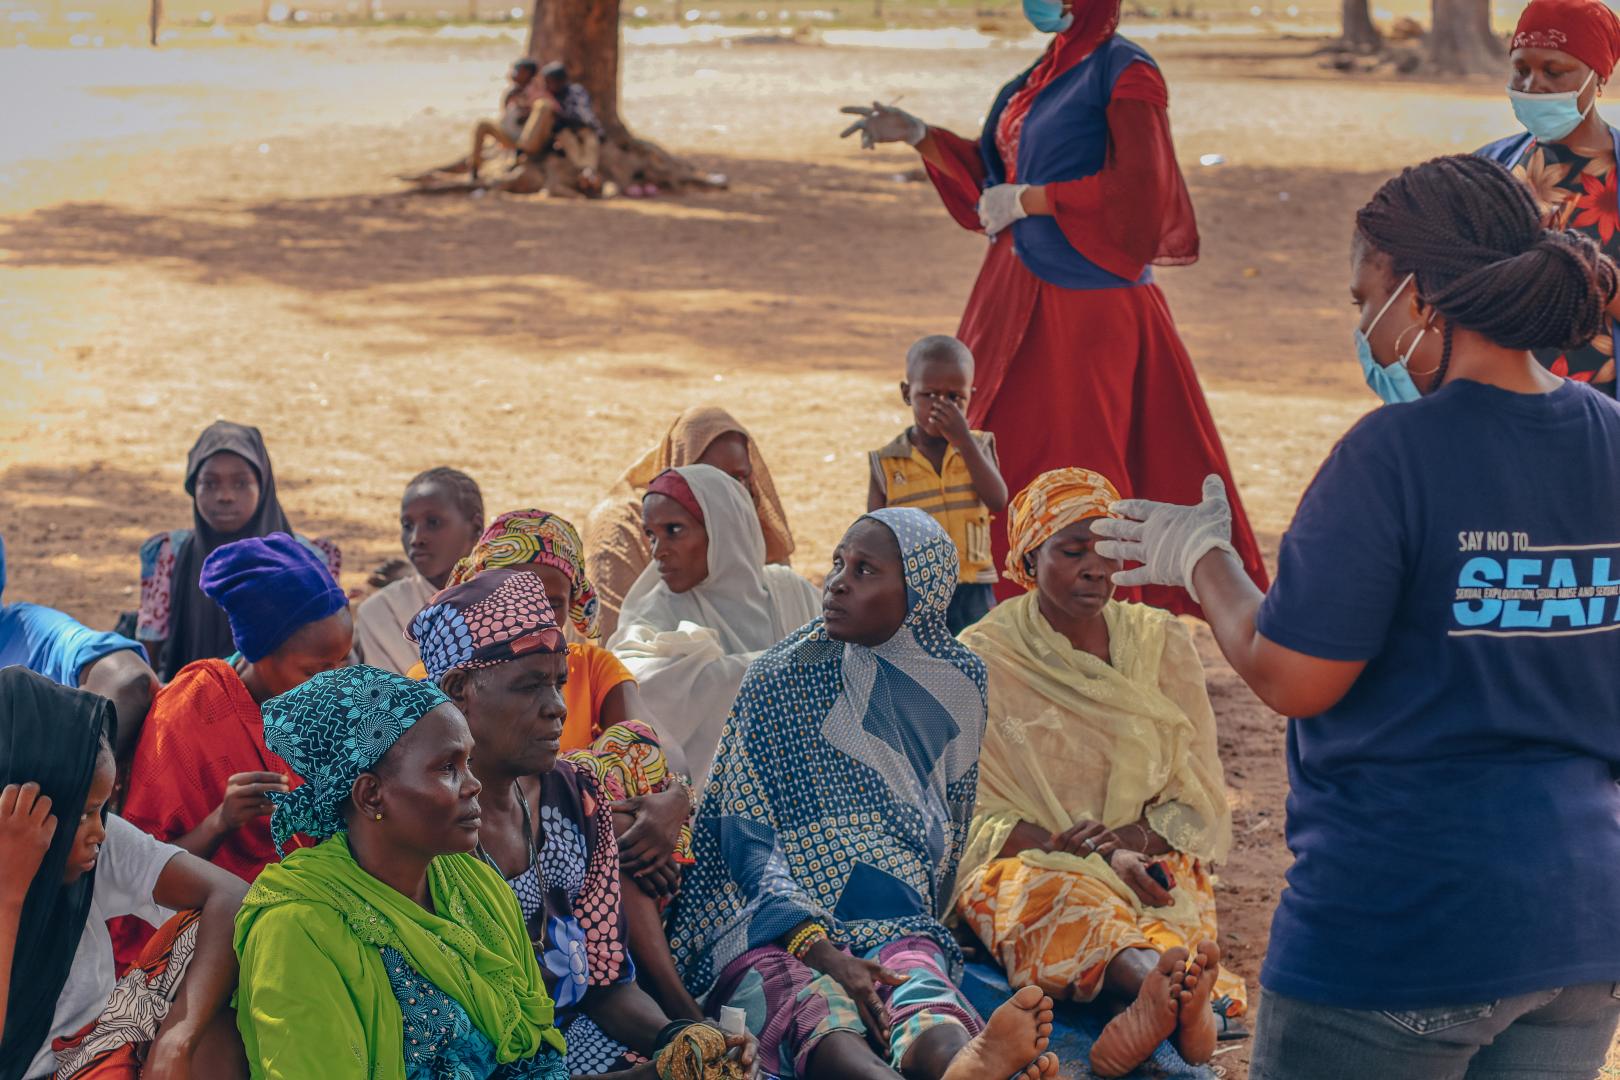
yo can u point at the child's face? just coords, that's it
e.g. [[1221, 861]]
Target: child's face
[[944, 382], [435, 532], [864, 599], [92, 831], [227, 491]]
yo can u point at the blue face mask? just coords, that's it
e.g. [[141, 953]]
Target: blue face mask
[[1549, 117], [1392, 384], [1048, 16]]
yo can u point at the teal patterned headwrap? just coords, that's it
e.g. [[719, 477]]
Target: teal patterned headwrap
[[330, 730]]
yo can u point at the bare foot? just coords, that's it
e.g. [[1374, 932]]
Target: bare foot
[[1131, 1037], [1015, 1037], [1196, 1034]]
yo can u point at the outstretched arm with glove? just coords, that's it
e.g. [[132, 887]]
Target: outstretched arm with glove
[[1191, 547], [954, 166]]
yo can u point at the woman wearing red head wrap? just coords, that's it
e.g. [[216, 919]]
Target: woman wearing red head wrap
[[1563, 53], [1075, 181]]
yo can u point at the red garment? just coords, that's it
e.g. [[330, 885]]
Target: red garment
[[1135, 411], [204, 728], [1585, 29]]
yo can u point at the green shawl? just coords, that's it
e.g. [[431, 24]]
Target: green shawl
[[314, 998]]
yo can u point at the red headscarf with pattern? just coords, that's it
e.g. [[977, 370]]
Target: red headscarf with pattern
[[1585, 29]]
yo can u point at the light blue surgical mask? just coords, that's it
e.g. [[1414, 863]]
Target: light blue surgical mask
[[1392, 384], [1048, 16], [1549, 117]]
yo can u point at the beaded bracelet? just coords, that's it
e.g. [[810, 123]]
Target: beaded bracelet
[[801, 942]]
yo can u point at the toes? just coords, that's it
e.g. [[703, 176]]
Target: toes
[[1172, 959], [1043, 1030], [1031, 998]]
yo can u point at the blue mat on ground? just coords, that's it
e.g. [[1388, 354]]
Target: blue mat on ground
[[1075, 1028]]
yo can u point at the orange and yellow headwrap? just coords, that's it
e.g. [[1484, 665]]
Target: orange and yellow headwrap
[[1051, 503]]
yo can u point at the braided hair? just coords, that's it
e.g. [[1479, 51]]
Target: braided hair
[[1472, 234], [463, 488]]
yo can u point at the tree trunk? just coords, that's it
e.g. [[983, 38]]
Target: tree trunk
[[1358, 31], [1460, 40], [154, 20], [584, 35]]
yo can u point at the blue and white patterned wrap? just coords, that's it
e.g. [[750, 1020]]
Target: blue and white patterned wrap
[[844, 784], [330, 730]]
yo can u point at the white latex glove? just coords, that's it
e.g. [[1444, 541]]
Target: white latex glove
[[1000, 206], [1168, 540], [883, 123]]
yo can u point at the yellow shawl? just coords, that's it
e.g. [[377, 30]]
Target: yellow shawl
[[1071, 738]]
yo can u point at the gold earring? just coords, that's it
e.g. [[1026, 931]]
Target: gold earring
[[379, 817]]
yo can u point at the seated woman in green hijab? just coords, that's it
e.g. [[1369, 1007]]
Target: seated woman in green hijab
[[388, 951]]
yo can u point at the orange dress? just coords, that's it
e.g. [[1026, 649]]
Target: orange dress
[[204, 727]]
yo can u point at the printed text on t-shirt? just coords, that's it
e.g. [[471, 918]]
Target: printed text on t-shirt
[[1520, 589]]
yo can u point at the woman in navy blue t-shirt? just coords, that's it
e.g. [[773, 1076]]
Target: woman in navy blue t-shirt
[[1445, 627]]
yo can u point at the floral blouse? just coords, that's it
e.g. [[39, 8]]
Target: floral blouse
[[441, 1042], [1576, 189], [157, 577]]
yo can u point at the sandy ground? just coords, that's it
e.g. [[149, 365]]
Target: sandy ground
[[215, 233]]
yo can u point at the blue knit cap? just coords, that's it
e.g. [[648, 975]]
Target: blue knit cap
[[270, 586]]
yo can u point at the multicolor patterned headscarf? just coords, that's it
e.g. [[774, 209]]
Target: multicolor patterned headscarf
[[498, 616], [834, 752], [1051, 503], [525, 537], [330, 730]]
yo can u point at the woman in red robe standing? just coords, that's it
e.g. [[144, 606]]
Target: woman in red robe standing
[[1075, 181]]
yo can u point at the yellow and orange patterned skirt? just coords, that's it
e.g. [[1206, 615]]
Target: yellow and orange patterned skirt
[[1059, 929]]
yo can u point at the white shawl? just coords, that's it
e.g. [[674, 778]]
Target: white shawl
[[688, 651]]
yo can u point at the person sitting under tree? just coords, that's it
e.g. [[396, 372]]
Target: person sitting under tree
[[542, 115]]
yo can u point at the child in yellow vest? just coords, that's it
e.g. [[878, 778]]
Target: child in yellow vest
[[939, 466]]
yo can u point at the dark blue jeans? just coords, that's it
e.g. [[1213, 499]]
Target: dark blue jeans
[[969, 604], [1549, 1035]]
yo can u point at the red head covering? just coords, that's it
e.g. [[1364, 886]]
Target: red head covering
[[1585, 29], [1095, 21], [672, 484]]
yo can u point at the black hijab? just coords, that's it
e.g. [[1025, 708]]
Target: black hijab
[[50, 735], [198, 628]]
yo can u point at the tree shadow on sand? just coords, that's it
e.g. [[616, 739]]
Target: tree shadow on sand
[[771, 261]]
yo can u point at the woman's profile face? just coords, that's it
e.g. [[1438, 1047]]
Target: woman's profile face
[[91, 827], [729, 454], [427, 793], [680, 543], [516, 710], [1372, 282], [227, 491], [1549, 71], [559, 588], [864, 599]]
